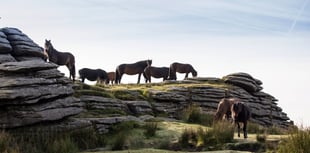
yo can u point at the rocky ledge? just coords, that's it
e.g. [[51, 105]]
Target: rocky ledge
[[31, 90]]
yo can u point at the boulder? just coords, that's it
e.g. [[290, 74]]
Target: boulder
[[244, 81], [20, 43]]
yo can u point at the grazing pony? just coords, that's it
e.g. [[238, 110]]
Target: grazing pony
[[111, 77], [60, 58], [93, 75], [156, 72], [241, 113], [181, 68], [224, 108], [131, 69]]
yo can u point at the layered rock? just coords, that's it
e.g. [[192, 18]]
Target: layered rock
[[263, 106], [31, 90], [34, 91]]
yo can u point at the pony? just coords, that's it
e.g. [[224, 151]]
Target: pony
[[111, 77], [224, 108], [60, 58], [93, 75], [181, 68], [131, 69], [156, 72], [241, 113]]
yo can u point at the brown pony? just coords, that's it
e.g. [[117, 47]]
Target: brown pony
[[181, 68], [224, 108], [111, 77], [241, 113], [60, 58], [156, 72], [131, 69]]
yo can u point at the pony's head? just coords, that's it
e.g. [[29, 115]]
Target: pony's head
[[149, 62], [47, 45], [236, 108], [194, 73]]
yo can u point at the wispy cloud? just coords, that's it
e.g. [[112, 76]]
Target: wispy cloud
[[298, 15]]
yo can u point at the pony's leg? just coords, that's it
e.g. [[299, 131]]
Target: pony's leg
[[120, 78], [186, 76], [238, 129], [139, 78], [245, 133], [71, 73]]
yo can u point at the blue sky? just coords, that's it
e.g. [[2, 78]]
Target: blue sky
[[268, 39]]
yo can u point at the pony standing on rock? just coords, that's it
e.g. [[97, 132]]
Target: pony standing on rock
[[181, 68], [111, 78], [156, 72], [60, 58], [92, 75], [131, 69]]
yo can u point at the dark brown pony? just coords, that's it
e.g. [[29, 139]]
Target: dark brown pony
[[156, 72], [60, 58], [98, 75], [241, 113], [131, 69], [224, 108], [111, 77], [181, 68]]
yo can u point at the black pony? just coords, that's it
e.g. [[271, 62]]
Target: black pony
[[181, 68], [156, 72], [241, 113], [131, 69], [60, 58], [92, 75]]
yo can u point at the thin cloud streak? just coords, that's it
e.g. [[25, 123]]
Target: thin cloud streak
[[298, 16]]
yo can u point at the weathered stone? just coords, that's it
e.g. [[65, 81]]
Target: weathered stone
[[21, 44], [33, 93], [96, 102], [15, 116], [26, 66], [244, 81], [6, 58], [5, 46], [139, 107], [11, 31], [24, 50], [27, 58], [166, 96]]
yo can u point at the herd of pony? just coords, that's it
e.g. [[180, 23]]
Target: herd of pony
[[144, 68], [228, 108]]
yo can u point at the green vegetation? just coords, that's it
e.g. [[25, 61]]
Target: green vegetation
[[298, 141], [150, 129], [193, 114], [47, 140]]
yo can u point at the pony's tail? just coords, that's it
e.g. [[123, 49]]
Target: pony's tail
[[73, 72], [117, 76]]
